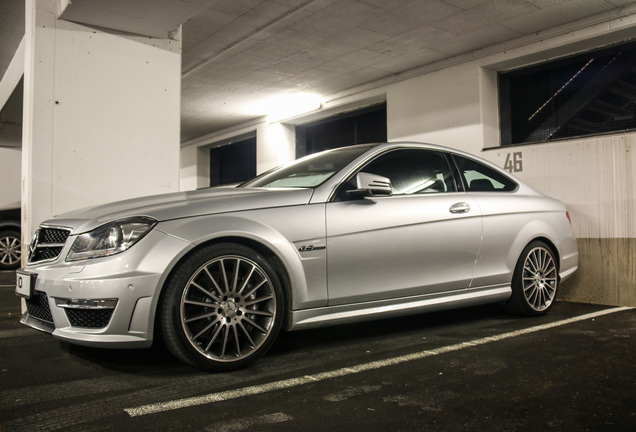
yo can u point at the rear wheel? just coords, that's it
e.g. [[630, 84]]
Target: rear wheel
[[222, 308], [10, 249], [535, 281]]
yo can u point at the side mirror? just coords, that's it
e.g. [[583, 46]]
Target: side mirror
[[371, 185]]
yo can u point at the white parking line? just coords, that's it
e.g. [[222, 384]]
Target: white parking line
[[307, 379]]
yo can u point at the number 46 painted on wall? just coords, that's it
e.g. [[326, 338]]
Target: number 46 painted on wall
[[514, 162]]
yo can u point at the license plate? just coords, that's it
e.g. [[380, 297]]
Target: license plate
[[24, 284]]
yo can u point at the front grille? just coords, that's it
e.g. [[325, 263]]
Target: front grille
[[46, 253], [38, 307], [47, 244], [53, 235], [90, 318]]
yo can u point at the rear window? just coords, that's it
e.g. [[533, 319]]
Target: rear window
[[478, 177]]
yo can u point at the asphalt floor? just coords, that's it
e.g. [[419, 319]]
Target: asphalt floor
[[472, 369]]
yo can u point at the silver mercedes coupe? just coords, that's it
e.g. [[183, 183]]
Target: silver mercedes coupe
[[356, 233]]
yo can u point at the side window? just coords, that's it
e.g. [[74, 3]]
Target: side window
[[414, 171], [481, 178]]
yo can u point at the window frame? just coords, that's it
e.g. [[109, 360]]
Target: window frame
[[339, 192], [464, 182]]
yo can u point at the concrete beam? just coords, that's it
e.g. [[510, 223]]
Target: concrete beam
[[153, 18]]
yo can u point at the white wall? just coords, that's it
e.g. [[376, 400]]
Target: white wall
[[10, 167], [442, 107], [594, 176], [121, 128]]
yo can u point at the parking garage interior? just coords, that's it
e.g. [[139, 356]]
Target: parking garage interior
[[105, 101]]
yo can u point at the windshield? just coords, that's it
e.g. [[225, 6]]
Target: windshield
[[310, 171]]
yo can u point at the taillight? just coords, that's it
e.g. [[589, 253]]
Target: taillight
[[567, 213]]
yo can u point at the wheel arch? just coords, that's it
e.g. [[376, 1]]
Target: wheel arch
[[10, 225], [259, 247], [552, 247], [542, 291], [540, 229]]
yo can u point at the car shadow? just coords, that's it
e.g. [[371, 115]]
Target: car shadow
[[298, 347], [144, 361], [385, 328]]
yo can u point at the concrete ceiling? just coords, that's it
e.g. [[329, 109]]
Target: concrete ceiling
[[241, 52]]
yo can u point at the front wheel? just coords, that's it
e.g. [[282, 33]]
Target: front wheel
[[535, 281], [222, 308]]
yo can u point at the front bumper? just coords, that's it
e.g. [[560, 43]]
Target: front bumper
[[106, 302]]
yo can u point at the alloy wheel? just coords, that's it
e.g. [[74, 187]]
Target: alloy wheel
[[228, 308], [10, 250], [540, 278]]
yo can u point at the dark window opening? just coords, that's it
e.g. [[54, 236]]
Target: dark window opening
[[359, 127], [588, 94], [233, 163]]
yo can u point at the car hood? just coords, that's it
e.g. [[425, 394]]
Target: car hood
[[182, 205]]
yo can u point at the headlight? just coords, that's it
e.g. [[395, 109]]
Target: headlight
[[110, 239]]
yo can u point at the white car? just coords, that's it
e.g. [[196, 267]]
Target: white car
[[351, 234], [10, 237]]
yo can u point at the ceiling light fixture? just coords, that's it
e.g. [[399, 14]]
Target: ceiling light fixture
[[284, 107]]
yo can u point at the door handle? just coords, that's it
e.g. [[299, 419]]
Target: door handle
[[462, 207]]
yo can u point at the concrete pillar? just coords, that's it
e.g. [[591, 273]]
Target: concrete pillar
[[195, 168], [101, 115], [275, 145]]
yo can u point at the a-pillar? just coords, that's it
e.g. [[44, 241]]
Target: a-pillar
[[101, 115]]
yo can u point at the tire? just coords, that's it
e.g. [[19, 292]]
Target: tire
[[10, 249], [535, 281], [223, 308]]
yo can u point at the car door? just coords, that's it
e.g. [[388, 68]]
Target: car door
[[423, 239]]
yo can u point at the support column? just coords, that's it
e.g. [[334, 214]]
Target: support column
[[101, 115], [275, 145]]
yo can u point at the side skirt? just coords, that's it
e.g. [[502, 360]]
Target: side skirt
[[334, 315]]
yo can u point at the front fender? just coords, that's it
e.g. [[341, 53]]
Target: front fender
[[281, 230]]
